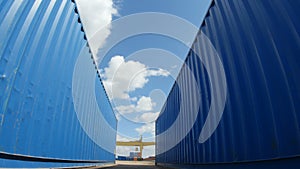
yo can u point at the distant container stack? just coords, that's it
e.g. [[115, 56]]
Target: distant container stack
[[42, 43], [258, 44]]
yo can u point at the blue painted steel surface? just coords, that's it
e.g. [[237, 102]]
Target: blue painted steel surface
[[40, 42], [258, 43]]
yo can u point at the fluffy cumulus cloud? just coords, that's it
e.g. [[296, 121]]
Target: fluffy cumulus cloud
[[147, 117], [97, 15], [146, 128], [144, 104], [122, 77], [125, 109]]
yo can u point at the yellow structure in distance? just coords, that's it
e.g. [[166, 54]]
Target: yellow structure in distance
[[138, 143]]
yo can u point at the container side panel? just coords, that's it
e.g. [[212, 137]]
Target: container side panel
[[258, 44], [40, 44]]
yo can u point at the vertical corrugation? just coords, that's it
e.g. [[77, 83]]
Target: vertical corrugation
[[39, 44], [258, 44]]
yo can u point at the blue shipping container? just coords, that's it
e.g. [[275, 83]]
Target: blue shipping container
[[257, 43], [54, 111]]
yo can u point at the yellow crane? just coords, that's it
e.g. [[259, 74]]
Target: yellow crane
[[139, 143]]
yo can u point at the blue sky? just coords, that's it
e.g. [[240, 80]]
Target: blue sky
[[139, 71]]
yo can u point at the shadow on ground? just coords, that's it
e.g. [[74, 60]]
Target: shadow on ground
[[135, 165]]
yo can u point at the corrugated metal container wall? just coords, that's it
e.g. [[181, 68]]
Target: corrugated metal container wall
[[258, 43], [39, 44]]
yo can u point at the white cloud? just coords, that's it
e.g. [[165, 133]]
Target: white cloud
[[126, 109], [144, 104], [122, 77], [159, 72], [147, 117], [134, 99], [97, 15], [147, 128]]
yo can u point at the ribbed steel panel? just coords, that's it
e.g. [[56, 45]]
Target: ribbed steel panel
[[258, 43], [40, 42]]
